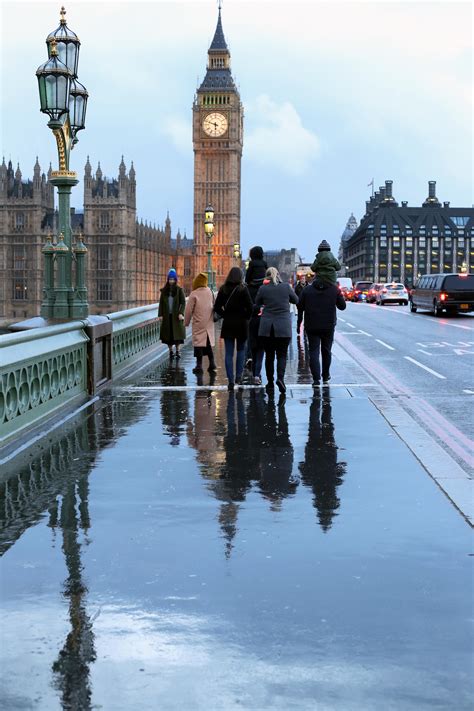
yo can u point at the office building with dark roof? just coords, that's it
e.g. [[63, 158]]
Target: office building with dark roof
[[396, 242]]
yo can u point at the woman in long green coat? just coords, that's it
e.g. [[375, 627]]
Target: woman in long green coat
[[171, 314]]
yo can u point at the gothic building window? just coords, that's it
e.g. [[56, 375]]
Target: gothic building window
[[19, 221], [20, 288], [104, 257], [19, 257], [104, 222], [104, 289]]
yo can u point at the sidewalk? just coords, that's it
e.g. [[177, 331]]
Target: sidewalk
[[207, 550]]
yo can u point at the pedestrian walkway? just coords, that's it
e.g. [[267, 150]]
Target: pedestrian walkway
[[177, 546]]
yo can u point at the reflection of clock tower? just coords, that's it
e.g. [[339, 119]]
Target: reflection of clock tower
[[217, 140]]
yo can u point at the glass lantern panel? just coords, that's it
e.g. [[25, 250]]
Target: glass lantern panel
[[62, 93], [43, 93], [50, 92]]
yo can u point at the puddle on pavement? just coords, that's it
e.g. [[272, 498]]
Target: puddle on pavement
[[199, 549]]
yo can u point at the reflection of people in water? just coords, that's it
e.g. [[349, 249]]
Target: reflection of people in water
[[71, 669], [276, 454], [175, 407], [320, 470]]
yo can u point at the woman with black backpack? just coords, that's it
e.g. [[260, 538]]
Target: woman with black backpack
[[234, 306]]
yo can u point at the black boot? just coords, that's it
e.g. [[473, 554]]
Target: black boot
[[198, 369]]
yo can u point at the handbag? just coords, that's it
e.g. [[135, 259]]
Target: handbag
[[218, 317]]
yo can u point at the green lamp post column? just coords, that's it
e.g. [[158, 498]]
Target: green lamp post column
[[80, 251], [61, 303], [64, 99], [48, 285], [209, 230]]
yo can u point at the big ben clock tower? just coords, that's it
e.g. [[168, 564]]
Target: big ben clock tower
[[218, 141]]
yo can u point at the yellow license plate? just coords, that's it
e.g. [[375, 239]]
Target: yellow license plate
[[464, 306]]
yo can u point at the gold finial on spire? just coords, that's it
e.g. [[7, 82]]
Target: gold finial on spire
[[53, 48], [63, 15]]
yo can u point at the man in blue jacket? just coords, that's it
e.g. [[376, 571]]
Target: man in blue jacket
[[319, 302]]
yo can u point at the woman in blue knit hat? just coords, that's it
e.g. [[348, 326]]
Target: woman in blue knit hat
[[171, 314]]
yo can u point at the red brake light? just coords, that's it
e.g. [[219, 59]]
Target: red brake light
[[443, 297]]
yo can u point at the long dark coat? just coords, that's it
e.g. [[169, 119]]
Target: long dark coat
[[236, 313], [276, 300], [179, 304]]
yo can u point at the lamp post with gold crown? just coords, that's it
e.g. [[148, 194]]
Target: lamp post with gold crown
[[64, 99], [209, 230]]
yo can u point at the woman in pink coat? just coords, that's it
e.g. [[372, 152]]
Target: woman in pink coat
[[199, 312]]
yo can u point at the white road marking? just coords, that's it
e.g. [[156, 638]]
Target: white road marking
[[468, 392], [456, 325], [365, 333], [342, 319], [425, 367], [350, 324], [425, 352], [382, 343], [353, 333]]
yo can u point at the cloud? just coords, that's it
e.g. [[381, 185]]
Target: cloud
[[278, 138], [179, 130]]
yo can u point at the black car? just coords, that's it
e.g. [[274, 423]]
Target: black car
[[452, 293]]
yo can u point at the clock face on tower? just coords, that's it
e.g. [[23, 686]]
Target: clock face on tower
[[215, 124]]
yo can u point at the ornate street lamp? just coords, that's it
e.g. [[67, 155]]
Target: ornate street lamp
[[64, 99], [237, 253], [209, 230]]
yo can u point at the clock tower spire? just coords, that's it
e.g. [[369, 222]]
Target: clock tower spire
[[218, 143]]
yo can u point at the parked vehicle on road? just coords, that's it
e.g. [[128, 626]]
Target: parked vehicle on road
[[361, 289], [372, 293], [451, 293], [392, 294]]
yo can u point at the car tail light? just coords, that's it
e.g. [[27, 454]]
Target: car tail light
[[384, 291], [443, 296]]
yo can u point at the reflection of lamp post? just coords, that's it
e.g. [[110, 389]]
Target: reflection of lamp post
[[64, 100], [209, 230]]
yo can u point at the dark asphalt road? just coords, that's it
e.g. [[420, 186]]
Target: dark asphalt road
[[183, 548], [431, 358]]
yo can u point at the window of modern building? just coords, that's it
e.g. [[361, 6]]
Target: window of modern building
[[104, 289], [422, 241], [460, 221], [20, 288], [104, 257]]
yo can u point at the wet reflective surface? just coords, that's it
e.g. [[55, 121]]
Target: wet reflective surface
[[194, 549]]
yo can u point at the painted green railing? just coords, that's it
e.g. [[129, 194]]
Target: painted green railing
[[44, 369], [135, 331], [41, 370]]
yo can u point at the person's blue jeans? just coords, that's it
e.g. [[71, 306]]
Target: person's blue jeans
[[229, 358], [320, 341]]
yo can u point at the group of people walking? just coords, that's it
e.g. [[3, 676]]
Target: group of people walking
[[256, 319]]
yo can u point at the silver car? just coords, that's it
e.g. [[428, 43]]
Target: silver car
[[392, 294]]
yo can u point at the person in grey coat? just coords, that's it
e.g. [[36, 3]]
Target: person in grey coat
[[274, 298]]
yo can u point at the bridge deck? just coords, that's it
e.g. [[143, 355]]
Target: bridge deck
[[180, 547]]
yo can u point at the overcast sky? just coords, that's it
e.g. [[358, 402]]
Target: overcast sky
[[335, 93]]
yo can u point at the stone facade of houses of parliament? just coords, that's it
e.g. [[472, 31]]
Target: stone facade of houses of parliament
[[127, 259]]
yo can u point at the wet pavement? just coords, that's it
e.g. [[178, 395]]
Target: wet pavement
[[176, 547]]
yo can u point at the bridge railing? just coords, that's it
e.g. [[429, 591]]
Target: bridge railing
[[43, 370]]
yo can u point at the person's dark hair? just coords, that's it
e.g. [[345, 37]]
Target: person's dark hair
[[169, 289], [234, 278], [256, 253]]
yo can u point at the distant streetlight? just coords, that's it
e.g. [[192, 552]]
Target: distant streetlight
[[209, 230], [64, 99], [237, 253]]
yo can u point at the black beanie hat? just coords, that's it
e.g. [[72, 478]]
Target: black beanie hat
[[324, 246]]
